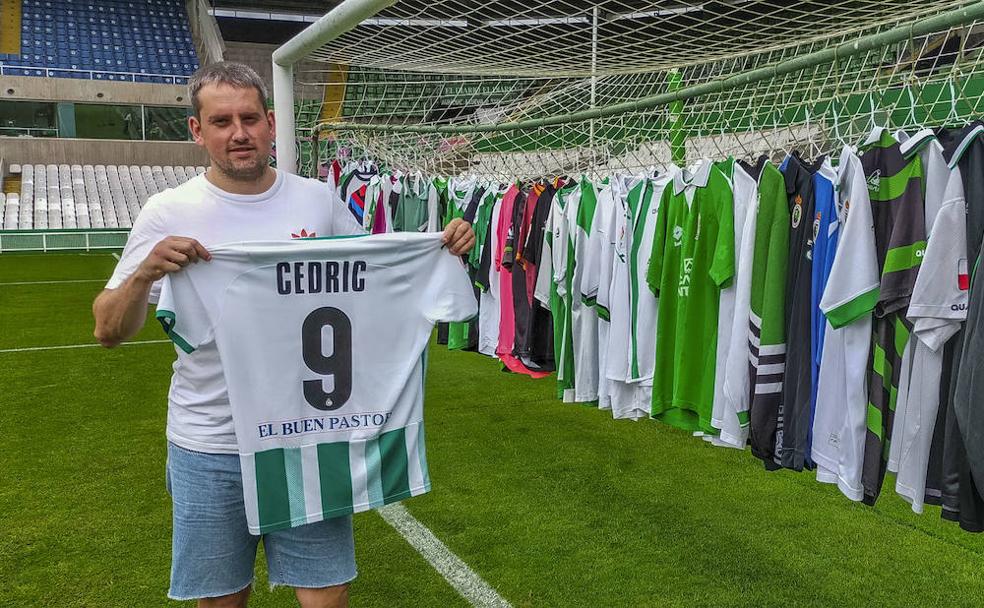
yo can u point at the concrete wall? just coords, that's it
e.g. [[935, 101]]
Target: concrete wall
[[258, 56], [39, 150], [29, 88]]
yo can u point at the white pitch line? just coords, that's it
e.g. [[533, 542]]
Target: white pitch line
[[53, 282], [116, 255], [456, 572], [67, 346]]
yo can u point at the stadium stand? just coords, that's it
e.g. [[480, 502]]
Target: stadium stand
[[118, 40], [85, 196]]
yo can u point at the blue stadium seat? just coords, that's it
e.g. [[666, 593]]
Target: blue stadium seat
[[119, 38]]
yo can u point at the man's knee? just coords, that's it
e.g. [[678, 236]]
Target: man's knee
[[323, 597], [234, 600]]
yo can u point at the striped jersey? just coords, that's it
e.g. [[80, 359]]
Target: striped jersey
[[895, 188], [322, 344], [767, 314]]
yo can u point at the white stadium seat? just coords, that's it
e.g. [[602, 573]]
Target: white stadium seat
[[148, 177], [106, 198], [170, 178], [14, 169], [81, 200], [11, 214], [138, 185], [191, 171], [119, 198], [129, 192], [199, 170], [96, 219], [158, 173], [180, 175]]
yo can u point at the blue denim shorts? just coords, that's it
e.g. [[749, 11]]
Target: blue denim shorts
[[212, 551]]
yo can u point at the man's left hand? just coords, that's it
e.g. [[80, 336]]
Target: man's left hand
[[459, 236]]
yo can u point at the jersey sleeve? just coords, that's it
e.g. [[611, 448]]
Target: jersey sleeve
[[148, 230], [940, 295], [448, 295], [591, 277], [723, 265], [655, 271], [183, 311], [853, 285]]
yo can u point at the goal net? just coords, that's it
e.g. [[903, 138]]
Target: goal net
[[549, 87]]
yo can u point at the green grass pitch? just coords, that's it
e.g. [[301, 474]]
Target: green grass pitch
[[552, 504]]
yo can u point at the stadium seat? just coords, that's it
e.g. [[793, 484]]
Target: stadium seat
[[170, 178], [158, 173], [119, 200], [11, 214], [118, 39], [14, 169], [106, 198], [138, 185], [148, 179], [96, 219], [180, 175], [129, 192], [81, 200]]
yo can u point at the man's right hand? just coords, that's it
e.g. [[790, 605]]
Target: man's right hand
[[171, 255]]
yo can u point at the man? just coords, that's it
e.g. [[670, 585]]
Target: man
[[240, 198]]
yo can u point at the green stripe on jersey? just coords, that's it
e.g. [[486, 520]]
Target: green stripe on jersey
[[167, 321], [335, 474], [874, 422], [394, 473], [892, 187], [851, 311], [904, 257], [901, 336], [272, 491]]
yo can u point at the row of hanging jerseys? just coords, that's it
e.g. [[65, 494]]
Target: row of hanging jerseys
[[825, 312]]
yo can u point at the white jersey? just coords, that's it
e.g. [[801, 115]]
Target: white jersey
[[632, 337], [584, 317], [489, 301], [323, 345], [937, 308], [198, 414], [840, 417], [597, 282], [731, 376]]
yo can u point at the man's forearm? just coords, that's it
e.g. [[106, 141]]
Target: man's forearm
[[120, 313]]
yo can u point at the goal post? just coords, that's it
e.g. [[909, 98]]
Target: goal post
[[336, 22]]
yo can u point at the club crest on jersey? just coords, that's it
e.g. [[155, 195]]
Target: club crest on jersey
[[874, 181], [677, 236], [797, 214], [303, 234]]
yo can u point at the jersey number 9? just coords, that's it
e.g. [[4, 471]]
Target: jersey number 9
[[338, 364]]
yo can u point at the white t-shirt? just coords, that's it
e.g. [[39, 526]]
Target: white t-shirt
[[198, 416], [323, 345]]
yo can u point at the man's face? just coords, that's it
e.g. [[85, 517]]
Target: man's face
[[235, 129]]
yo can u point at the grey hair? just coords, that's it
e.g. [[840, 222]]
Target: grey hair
[[238, 75]]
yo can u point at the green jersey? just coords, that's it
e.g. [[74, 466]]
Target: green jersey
[[693, 257]]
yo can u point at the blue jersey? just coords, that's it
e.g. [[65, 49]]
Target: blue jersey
[[825, 233]]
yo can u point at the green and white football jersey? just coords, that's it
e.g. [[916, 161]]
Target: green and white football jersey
[[322, 343], [693, 257]]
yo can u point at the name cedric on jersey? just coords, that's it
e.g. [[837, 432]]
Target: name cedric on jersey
[[321, 277]]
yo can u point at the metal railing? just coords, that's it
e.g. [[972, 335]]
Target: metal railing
[[62, 240], [6, 70]]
